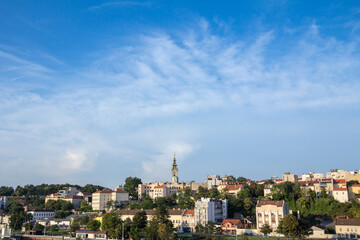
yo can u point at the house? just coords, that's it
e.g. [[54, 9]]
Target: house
[[87, 234], [341, 194], [232, 226], [208, 209], [318, 231], [101, 198], [347, 228], [270, 213], [188, 222]]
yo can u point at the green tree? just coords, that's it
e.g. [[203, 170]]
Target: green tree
[[165, 232], [266, 229], [84, 220], [131, 184], [38, 228], [112, 224], [75, 225], [290, 226], [241, 179], [93, 225], [138, 224]]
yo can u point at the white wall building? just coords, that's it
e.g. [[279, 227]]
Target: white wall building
[[212, 181], [101, 198], [340, 194], [270, 213], [208, 209], [41, 214]]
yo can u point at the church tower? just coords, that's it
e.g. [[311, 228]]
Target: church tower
[[174, 172]]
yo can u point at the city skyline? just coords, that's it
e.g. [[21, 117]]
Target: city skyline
[[94, 92]]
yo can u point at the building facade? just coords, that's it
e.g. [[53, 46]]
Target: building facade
[[347, 228], [289, 177], [270, 213], [41, 214], [210, 210], [101, 198]]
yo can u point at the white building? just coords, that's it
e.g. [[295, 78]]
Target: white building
[[61, 194], [101, 198], [212, 181], [3, 202], [270, 213], [41, 214], [340, 194], [210, 210], [311, 176]]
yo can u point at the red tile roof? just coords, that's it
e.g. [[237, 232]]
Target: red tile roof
[[231, 220], [74, 197], [120, 190], [160, 186], [234, 187], [276, 203], [189, 212], [104, 191], [348, 222], [355, 185], [340, 189]]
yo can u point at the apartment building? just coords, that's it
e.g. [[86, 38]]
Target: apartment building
[[41, 214], [270, 212], [212, 181], [289, 177], [311, 176], [208, 209], [327, 184], [101, 198], [347, 228]]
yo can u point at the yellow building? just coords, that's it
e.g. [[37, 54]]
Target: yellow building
[[354, 192]]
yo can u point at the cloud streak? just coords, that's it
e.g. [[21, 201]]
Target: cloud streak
[[160, 77]]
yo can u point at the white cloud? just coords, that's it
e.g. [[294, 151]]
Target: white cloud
[[158, 168], [160, 77]]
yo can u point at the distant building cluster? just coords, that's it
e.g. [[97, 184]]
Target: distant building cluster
[[342, 185]]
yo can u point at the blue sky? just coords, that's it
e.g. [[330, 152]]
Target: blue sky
[[95, 91]]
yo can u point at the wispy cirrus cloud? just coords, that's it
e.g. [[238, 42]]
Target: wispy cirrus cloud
[[119, 4], [161, 76]]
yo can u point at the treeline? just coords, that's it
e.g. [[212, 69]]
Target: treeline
[[307, 203], [44, 189]]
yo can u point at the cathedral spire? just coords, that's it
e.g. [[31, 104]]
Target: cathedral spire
[[174, 171]]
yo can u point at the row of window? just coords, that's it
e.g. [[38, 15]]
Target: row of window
[[349, 230]]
